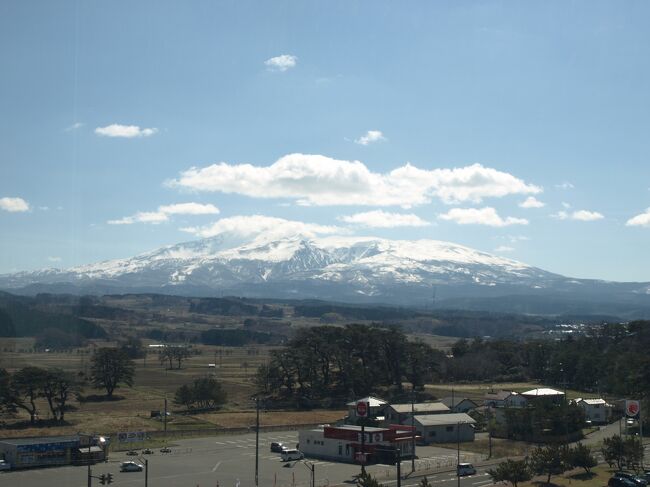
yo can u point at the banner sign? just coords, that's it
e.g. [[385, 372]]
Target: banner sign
[[632, 408], [131, 436]]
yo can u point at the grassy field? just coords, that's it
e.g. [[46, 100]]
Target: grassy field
[[598, 477], [235, 368]]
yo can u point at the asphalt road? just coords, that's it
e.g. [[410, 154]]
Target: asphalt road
[[229, 461]]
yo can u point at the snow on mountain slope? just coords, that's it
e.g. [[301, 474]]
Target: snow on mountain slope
[[221, 262]]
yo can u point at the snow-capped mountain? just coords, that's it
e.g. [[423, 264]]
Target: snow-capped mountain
[[300, 266]]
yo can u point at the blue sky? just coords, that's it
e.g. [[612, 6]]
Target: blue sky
[[129, 125]]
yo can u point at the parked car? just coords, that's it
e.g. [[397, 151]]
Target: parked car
[[165, 449], [277, 447], [638, 481], [131, 467], [293, 454], [147, 451], [132, 453], [646, 475], [4, 465], [620, 482], [463, 469]]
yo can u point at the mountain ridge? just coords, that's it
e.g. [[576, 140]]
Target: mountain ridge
[[347, 269]]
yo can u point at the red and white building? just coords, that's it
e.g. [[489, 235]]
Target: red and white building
[[343, 443]]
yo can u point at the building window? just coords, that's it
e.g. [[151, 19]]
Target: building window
[[432, 433], [340, 449], [450, 428]]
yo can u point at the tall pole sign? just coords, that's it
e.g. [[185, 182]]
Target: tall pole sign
[[363, 409], [632, 408]]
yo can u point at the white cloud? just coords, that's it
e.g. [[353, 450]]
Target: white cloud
[[74, 126], [480, 216], [321, 181], [532, 202], [565, 185], [127, 131], [566, 205], [13, 205], [641, 220], [255, 225], [504, 248], [587, 216], [579, 215], [163, 212], [370, 137], [382, 219], [54, 259], [281, 63]]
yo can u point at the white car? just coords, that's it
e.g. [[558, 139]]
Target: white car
[[4, 465], [465, 469], [131, 467], [292, 454]]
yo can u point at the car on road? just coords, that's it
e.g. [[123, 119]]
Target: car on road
[[4, 465], [147, 451], [165, 449], [132, 453], [277, 447], [620, 482], [463, 469], [292, 454], [131, 467], [638, 481]]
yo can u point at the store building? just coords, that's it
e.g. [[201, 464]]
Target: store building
[[343, 443], [53, 450], [444, 428]]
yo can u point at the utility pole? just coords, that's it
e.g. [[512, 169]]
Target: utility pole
[[257, 438], [413, 428], [398, 459], [146, 472], [458, 451], [90, 476], [363, 446]]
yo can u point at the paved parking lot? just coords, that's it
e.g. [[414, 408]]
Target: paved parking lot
[[229, 461]]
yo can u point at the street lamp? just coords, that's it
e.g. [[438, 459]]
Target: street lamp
[[312, 468]]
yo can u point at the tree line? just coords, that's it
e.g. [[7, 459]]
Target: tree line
[[342, 362], [610, 358]]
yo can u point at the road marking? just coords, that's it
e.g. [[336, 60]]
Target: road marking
[[219, 443], [482, 482], [214, 469]]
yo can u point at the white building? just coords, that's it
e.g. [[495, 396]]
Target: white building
[[343, 443], [598, 411], [375, 408]]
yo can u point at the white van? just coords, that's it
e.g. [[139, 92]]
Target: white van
[[465, 469], [293, 454]]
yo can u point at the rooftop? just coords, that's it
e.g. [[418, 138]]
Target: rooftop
[[40, 440], [455, 401], [543, 391], [444, 419], [374, 402], [422, 407]]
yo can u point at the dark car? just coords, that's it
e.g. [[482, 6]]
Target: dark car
[[638, 481], [277, 447], [620, 482], [132, 453]]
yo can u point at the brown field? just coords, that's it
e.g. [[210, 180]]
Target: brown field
[[235, 368]]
